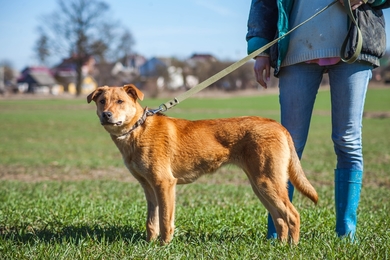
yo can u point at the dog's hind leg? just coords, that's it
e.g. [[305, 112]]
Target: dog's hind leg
[[284, 215], [279, 221], [294, 222], [268, 176]]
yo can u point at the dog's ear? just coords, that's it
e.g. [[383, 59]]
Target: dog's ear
[[94, 95], [133, 91]]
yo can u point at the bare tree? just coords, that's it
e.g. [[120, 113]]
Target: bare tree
[[42, 48], [125, 46], [80, 29]]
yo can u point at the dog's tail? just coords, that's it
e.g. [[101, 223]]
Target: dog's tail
[[298, 177]]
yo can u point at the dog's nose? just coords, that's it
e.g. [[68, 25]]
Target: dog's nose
[[107, 115]]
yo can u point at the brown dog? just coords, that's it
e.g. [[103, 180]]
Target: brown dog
[[161, 152]]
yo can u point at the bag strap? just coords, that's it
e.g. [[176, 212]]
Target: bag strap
[[359, 44]]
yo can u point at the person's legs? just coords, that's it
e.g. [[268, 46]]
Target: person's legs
[[298, 87], [348, 91], [349, 84]]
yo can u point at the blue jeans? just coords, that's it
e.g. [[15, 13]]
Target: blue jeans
[[298, 87]]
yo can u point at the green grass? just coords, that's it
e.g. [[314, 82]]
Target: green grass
[[64, 192]]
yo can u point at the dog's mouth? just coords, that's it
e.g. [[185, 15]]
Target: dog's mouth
[[105, 122]]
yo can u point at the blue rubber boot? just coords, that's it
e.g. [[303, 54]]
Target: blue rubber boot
[[348, 185], [271, 233]]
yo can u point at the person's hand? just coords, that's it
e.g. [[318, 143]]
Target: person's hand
[[354, 3], [262, 70]]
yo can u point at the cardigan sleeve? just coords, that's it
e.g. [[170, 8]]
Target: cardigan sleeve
[[262, 23], [381, 4]]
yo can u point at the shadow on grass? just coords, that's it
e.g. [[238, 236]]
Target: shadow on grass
[[72, 234], [114, 233]]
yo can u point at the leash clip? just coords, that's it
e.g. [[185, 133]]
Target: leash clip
[[161, 108]]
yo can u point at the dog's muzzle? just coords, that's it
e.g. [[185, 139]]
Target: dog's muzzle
[[108, 119]]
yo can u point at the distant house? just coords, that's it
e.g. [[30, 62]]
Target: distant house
[[103, 74], [164, 72], [154, 67], [167, 73], [133, 62], [124, 71], [196, 57], [87, 86], [114, 74], [37, 80], [66, 74]]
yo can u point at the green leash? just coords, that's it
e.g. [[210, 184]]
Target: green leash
[[359, 44], [173, 102]]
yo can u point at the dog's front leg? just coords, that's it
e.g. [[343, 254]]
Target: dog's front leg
[[152, 220], [165, 191]]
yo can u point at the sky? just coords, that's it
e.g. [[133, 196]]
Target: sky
[[173, 28]]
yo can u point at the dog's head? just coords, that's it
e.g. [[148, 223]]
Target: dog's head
[[116, 107]]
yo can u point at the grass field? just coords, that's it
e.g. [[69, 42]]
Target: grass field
[[65, 194]]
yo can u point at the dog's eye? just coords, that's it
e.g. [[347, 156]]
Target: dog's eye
[[102, 101], [119, 101]]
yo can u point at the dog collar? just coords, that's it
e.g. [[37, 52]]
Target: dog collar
[[139, 122]]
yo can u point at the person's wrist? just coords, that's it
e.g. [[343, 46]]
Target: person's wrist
[[263, 54]]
